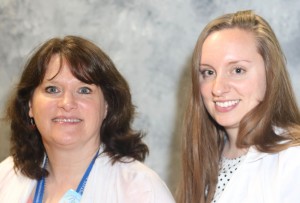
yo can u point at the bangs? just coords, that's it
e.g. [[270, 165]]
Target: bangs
[[82, 68], [85, 60]]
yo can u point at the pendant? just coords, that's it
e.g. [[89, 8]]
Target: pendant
[[71, 196]]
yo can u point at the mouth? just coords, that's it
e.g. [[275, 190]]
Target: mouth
[[227, 104], [66, 120]]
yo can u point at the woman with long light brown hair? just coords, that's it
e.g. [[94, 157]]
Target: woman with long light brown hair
[[242, 126]]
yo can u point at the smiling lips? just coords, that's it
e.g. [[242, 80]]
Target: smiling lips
[[226, 105], [66, 120]]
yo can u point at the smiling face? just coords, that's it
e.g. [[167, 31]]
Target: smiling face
[[232, 76], [66, 111]]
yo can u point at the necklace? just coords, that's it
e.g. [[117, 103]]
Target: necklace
[[70, 195]]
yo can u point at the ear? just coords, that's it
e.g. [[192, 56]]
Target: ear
[[106, 109], [30, 109]]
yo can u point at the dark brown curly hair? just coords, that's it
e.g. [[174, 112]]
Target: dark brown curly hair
[[89, 64]]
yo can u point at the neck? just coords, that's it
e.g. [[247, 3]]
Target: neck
[[64, 165], [66, 170], [230, 148]]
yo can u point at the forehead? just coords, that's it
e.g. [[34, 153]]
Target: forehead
[[229, 44], [231, 36], [55, 66]]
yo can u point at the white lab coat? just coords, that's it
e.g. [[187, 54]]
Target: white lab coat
[[265, 178], [119, 183]]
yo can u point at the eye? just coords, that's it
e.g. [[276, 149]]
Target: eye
[[238, 70], [207, 73], [52, 89], [85, 90]]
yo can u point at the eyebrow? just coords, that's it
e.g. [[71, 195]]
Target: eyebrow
[[238, 61], [230, 63], [203, 64]]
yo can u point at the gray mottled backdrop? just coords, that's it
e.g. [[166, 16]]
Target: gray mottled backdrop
[[150, 41]]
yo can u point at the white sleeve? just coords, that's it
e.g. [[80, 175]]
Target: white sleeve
[[289, 177], [147, 187]]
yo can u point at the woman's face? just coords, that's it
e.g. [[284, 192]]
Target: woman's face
[[66, 111], [232, 76]]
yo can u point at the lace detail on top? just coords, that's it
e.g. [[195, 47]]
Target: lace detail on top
[[227, 168]]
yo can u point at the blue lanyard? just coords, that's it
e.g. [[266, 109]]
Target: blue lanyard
[[40, 188]]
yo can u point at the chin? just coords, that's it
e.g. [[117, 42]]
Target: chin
[[228, 124]]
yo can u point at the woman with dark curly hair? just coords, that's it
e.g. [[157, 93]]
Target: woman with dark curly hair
[[242, 129], [71, 135]]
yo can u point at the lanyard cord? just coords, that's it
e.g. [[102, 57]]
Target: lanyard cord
[[40, 188]]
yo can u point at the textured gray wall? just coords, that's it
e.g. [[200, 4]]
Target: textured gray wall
[[150, 41]]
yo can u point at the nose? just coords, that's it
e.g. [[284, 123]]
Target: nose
[[220, 86], [67, 101]]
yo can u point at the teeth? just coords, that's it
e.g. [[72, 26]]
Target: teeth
[[66, 120], [227, 103]]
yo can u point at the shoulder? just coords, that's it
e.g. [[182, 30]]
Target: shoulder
[[135, 172], [288, 178], [6, 162], [284, 165], [272, 176], [128, 169], [6, 167], [14, 187], [7, 173], [137, 168], [133, 180], [144, 180], [291, 154]]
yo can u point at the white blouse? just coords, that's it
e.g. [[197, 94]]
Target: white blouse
[[119, 183], [227, 169]]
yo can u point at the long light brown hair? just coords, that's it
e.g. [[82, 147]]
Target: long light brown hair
[[203, 138]]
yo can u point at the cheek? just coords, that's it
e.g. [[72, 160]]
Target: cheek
[[205, 91], [257, 89], [36, 108], [42, 109], [206, 96], [95, 109], [261, 81], [252, 92], [262, 90], [261, 94]]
